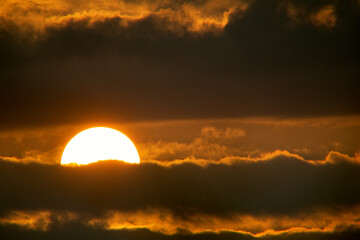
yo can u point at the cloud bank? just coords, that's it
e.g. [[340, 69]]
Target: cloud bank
[[279, 195]]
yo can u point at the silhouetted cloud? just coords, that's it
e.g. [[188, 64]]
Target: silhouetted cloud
[[281, 184], [281, 195]]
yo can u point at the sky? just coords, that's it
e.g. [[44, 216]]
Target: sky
[[245, 114]]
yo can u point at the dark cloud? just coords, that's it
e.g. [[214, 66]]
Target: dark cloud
[[283, 185], [259, 63]]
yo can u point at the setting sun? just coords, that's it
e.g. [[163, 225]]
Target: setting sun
[[99, 143]]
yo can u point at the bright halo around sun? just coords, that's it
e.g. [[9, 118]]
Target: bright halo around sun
[[99, 143]]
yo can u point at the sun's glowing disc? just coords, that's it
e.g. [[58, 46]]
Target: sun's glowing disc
[[99, 143]]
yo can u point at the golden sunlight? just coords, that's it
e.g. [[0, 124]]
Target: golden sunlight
[[99, 143]]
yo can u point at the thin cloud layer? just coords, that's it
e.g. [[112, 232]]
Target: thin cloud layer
[[76, 230], [201, 141], [211, 145], [162, 221]]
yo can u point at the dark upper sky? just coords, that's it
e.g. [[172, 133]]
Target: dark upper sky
[[209, 60]]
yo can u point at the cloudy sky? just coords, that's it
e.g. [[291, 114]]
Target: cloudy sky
[[245, 114]]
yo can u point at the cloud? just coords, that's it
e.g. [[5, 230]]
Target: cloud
[[76, 230], [162, 221], [294, 13], [211, 140], [276, 195], [37, 220], [324, 17], [227, 134], [36, 156], [211, 144], [336, 157], [91, 61], [289, 185], [332, 158], [195, 16]]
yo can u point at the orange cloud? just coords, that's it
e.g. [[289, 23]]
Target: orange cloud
[[37, 156], [332, 158], [294, 13], [202, 141], [36, 16], [336, 157], [325, 17], [162, 221], [37, 220], [211, 144]]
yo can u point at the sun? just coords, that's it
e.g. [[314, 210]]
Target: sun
[[99, 143]]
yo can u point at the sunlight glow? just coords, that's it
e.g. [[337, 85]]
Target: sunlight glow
[[99, 143]]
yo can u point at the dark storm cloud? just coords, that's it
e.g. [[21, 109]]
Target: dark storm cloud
[[282, 185], [263, 61]]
